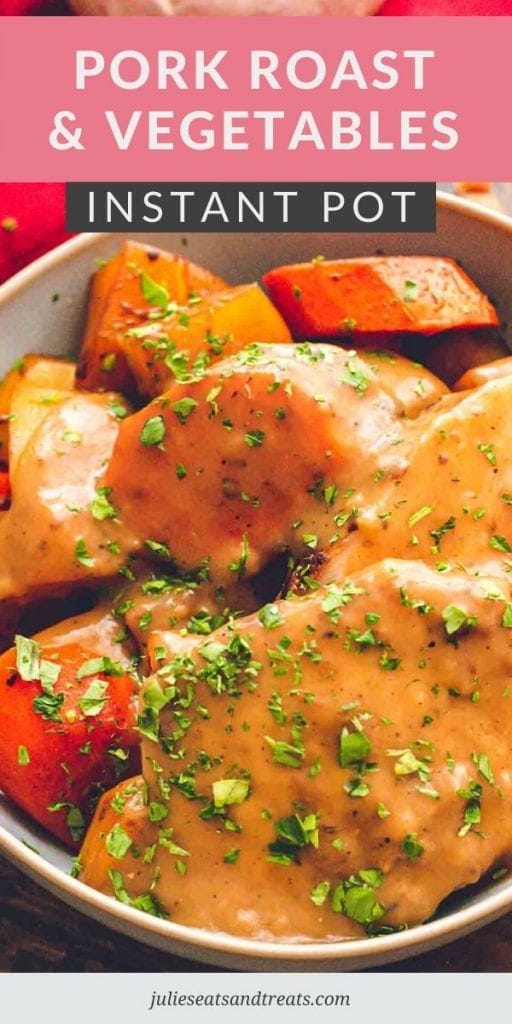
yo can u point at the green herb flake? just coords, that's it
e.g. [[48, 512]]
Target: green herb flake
[[97, 665], [410, 291], [411, 847], [100, 507], [82, 555], [456, 619], [153, 432], [294, 833], [254, 438], [483, 765], [354, 376], [229, 791], [157, 811], [47, 705], [154, 293], [355, 897], [27, 658], [499, 543], [94, 698], [284, 753], [108, 362], [320, 892], [354, 747], [231, 856], [118, 842], [422, 513], [184, 408], [270, 616], [488, 451]]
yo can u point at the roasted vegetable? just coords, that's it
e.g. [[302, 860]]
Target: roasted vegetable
[[136, 281], [34, 371], [175, 344], [377, 296], [66, 732]]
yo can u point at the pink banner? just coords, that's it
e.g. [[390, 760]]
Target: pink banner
[[255, 99]]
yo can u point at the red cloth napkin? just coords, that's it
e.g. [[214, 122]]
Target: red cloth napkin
[[31, 221]]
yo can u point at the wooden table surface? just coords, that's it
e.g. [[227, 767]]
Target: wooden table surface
[[39, 933]]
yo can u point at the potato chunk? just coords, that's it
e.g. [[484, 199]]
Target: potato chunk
[[123, 291]]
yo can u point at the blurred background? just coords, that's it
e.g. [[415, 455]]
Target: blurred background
[[32, 217]]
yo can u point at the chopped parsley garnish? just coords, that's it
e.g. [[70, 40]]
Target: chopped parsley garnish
[[158, 548], [337, 598], [488, 451], [118, 842], [286, 754], [275, 706], [411, 847], [354, 376], [483, 765], [455, 619], [100, 507], [229, 791], [108, 362], [410, 291], [294, 833], [419, 515], [254, 438], [270, 616], [154, 293], [47, 705], [183, 408], [153, 431], [118, 410], [472, 813], [102, 664], [499, 543], [74, 818], [94, 698], [355, 897], [354, 747], [82, 555], [239, 565], [27, 658], [439, 532], [320, 892]]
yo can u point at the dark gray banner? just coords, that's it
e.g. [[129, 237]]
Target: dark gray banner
[[241, 206]]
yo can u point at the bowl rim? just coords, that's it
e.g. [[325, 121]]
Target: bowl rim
[[214, 946]]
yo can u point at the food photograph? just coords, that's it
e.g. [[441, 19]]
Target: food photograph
[[256, 596], [354, 8]]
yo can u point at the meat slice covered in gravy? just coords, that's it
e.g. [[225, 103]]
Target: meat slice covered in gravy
[[332, 764], [58, 530], [255, 457], [453, 503]]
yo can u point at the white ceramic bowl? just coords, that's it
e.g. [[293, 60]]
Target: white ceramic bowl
[[32, 319]]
